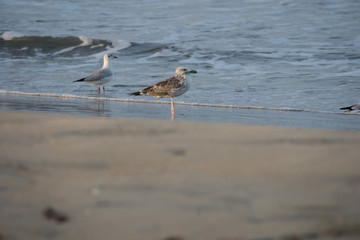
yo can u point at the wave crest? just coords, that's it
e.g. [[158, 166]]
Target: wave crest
[[17, 44]]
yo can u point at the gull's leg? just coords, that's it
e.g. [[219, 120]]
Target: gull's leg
[[99, 89], [103, 88], [172, 107]]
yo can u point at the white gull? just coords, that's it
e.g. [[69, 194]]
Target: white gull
[[101, 76]]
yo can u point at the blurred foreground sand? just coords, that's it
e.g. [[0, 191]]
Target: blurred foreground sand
[[154, 179]]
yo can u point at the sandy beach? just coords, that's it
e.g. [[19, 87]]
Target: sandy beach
[[64, 177]]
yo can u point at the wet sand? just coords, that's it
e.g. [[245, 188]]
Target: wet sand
[[160, 109], [67, 177]]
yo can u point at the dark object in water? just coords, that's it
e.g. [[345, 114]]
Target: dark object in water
[[351, 108], [52, 214]]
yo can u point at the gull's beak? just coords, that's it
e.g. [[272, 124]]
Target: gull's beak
[[192, 71]]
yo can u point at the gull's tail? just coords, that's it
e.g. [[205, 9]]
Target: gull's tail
[[80, 80], [135, 93], [144, 91]]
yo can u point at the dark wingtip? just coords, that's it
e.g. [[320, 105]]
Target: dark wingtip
[[80, 80], [346, 108], [193, 71], [134, 94]]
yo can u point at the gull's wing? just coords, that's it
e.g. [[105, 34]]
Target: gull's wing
[[98, 75], [164, 87]]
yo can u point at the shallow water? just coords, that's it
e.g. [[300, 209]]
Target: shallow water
[[298, 55], [114, 108]]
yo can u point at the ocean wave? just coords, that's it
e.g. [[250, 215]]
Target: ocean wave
[[20, 45], [129, 100], [10, 35], [144, 50]]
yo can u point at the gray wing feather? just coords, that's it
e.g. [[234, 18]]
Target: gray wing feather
[[98, 75]]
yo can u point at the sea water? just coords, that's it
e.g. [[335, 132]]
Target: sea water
[[270, 54]]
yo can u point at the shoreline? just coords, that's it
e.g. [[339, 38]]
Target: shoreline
[[66, 177], [185, 112], [105, 99]]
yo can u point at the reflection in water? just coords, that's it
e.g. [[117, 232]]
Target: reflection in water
[[177, 114], [97, 108], [101, 107], [54, 105]]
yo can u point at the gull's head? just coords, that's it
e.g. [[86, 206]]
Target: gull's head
[[180, 71], [109, 56]]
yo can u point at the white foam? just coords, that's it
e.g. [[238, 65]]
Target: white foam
[[121, 44], [99, 45], [10, 35], [116, 47], [85, 42], [164, 53]]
